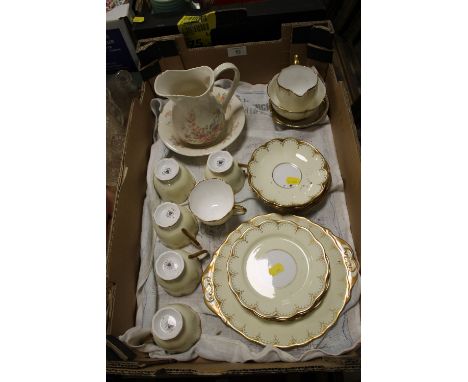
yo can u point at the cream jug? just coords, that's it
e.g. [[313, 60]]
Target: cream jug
[[198, 117]]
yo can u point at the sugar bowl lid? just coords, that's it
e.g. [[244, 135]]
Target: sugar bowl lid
[[169, 265], [167, 323]]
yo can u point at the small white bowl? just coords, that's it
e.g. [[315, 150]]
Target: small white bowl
[[212, 202]]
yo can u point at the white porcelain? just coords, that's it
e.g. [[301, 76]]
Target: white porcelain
[[178, 274], [288, 173], [297, 85], [221, 165], [212, 202], [176, 328], [235, 122], [172, 180], [278, 270], [310, 110], [168, 221], [291, 333], [198, 117]]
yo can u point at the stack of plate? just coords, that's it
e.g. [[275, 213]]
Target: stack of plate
[[289, 174], [167, 6], [280, 280]]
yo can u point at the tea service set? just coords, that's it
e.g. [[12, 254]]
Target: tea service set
[[277, 279]]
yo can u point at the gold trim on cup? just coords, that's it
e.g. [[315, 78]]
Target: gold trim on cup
[[233, 207], [198, 253], [309, 90], [192, 238], [239, 210], [290, 111]]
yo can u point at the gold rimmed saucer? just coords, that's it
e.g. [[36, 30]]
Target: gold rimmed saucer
[[304, 123], [288, 174]]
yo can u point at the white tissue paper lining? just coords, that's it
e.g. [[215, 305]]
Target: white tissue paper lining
[[219, 342]]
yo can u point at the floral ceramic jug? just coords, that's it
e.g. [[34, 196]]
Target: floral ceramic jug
[[198, 117]]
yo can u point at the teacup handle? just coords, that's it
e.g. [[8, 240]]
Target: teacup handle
[[239, 210], [235, 83], [198, 253], [192, 238]]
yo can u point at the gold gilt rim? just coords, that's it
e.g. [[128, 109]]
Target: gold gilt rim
[[290, 207], [290, 111], [298, 312], [292, 91], [210, 298], [293, 124]]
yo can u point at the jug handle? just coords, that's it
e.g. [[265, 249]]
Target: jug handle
[[221, 68]]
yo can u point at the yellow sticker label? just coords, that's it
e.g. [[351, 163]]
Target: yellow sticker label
[[196, 29], [275, 269], [292, 180], [138, 19]]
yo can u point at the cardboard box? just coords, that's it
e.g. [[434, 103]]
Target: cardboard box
[[257, 62], [120, 44]]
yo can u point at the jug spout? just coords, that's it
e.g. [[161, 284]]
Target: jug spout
[[178, 84]]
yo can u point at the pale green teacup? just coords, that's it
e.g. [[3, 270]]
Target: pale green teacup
[[177, 273], [172, 180], [175, 225], [176, 328], [221, 165]]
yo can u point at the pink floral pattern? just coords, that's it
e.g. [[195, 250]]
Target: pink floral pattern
[[195, 132]]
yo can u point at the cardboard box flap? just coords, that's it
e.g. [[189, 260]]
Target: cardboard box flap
[[123, 260], [349, 362], [348, 150]]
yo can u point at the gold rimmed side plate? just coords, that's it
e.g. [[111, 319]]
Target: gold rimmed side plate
[[288, 174], [278, 270], [285, 334]]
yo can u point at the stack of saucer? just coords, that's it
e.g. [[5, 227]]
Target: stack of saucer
[[280, 280], [288, 174], [298, 96]]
